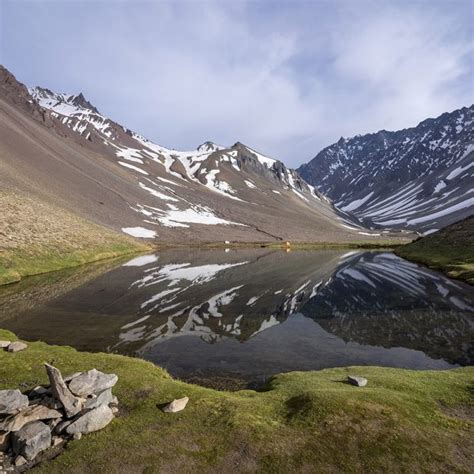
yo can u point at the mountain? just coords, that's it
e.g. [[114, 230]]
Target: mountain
[[59, 148], [420, 178], [450, 249]]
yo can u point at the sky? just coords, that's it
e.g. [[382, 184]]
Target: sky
[[287, 78]]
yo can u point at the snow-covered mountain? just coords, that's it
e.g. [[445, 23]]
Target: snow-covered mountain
[[419, 178], [61, 148], [236, 173]]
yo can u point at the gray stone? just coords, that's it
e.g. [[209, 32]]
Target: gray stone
[[20, 461], [115, 410], [91, 382], [72, 405], [77, 436], [176, 405], [29, 414], [103, 398], [114, 401], [357, 381], [61, 426], [69, 377], [4, 344], [31, 440], [4, 441], [56, 441], [93, 420], [17, 346], [12, 401], [39, 391]]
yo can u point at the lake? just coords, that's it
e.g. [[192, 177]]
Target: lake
[[244, 315]]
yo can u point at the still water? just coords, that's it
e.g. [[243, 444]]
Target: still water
[[249, 314]]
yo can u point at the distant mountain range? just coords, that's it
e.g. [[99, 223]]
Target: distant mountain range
[[420, 178], [60, 148]]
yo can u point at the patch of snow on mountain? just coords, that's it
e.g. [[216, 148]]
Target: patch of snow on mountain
[[140, 232], [135, 168]]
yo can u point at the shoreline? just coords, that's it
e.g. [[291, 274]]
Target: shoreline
[[300, 419], [15, 264]]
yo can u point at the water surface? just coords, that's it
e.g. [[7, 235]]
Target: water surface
[[248, 314]]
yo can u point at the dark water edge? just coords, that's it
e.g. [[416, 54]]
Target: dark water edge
[[232, 319]]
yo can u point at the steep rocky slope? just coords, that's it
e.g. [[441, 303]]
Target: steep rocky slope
[[59, 148], [419, 178]]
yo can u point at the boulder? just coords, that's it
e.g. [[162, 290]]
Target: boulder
[[103, 398], [176, 405], [12, 401], [92, 382], [357, 381], [93, 420], [72, 405], [16, 346], [4, 344], [32, 413], [31, 440], [4, 441]]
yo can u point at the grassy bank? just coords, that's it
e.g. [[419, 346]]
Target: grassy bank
[[450, 250], [310, 422], [369, 245], [36, 237]]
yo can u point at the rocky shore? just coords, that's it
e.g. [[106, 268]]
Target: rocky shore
[[49, 416]]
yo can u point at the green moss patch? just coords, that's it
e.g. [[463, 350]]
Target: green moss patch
[[303, 421]]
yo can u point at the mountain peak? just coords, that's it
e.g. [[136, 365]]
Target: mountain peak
[[81, 101], [209, 146]]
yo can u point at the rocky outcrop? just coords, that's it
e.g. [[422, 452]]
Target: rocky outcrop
[[50, 416]]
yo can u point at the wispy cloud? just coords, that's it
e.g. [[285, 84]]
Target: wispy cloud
[[286, 78]]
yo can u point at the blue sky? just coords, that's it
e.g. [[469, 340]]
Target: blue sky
[[286, 77]]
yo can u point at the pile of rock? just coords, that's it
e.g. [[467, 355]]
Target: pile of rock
[[15, 346], [51, 415]]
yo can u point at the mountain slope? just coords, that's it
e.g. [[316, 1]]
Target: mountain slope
[[60, 149], [419, 178], [451, 249]]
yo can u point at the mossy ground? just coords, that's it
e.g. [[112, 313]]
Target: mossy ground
[[403, 421], [37, 237], [450, 250]]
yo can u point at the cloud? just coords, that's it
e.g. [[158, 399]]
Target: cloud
[[286, 78]]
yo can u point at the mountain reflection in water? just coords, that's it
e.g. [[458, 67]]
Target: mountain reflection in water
[[252, 313]]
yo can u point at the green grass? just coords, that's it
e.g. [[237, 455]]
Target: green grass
[[18, 263], [403, 421], [450, 250]]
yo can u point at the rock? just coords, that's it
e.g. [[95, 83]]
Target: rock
[[69, 377], [16, 346], [92, 382], [56, 441], [39, 391], [4, 441], [115, 410], [357, 381], [4, 344], [61, 426], [176, 405], [72, 405], [103, 398], [114, 401], [20, 461], [31, 440], [32, 413], [12, 401], [77, 436], [93, 420]]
